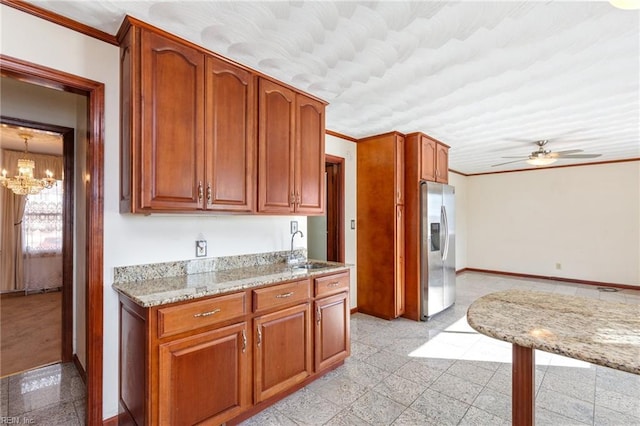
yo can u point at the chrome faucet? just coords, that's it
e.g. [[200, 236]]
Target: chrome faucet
[[292, 258]]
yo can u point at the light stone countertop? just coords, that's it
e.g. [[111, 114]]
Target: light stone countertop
[[161, 291], [591, 330]]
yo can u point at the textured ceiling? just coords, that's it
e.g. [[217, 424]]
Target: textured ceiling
[[487, 78]]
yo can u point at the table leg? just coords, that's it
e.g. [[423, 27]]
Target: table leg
[[523, 386]]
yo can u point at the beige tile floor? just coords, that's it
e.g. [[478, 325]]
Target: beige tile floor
[[442, 372], [401, 372]]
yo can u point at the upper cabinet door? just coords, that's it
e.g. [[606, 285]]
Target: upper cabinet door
[[230, 135], [309, 170], [172, 143], [276, 148], [442, 163], [427, 159], [399, 169]]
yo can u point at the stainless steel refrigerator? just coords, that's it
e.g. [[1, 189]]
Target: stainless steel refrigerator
[[437, 248]]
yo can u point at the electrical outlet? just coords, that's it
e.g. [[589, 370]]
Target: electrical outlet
[[294, 226], [558, 266], [201, 248]]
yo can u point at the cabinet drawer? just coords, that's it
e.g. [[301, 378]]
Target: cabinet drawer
[[282, 294], [190, 316], [331, 284]]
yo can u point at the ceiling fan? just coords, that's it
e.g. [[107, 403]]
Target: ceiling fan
[[545, 157]]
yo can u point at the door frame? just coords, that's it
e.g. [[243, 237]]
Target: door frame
[[94, 91], [340, 226], [68, 184]]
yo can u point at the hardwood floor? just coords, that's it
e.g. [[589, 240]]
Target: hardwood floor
[[30, 331]]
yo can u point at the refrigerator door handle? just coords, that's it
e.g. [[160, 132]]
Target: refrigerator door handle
[[445, 225]]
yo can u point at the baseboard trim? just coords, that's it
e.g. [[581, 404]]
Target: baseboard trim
[[354, 310], [78, 364], [544, 277]]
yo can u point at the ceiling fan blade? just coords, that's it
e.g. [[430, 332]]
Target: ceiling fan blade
[[509, 162], [568, 151], [580, 156]]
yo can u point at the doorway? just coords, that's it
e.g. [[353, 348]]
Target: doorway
[[93, 220], [41, 318], [326, 233]]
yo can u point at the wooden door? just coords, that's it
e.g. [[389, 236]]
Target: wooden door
[[399, 261], [309, 160], [230, 137], [276, 148], [172, 143], [331, 330], [399, 169], [427, 159], [205, 377], [442, 163], [283, 355]]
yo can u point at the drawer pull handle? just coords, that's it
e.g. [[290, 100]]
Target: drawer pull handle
[[244, 341], [334, 284], [206, 314], [284, 295]]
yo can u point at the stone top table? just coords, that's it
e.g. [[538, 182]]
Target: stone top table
[[591, 330]]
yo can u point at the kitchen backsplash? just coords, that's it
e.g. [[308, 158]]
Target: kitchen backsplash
[[122, 274]]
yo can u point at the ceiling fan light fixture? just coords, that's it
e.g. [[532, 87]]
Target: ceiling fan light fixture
[[541, 161], [626, 4]]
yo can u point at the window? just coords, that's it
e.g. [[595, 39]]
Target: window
[[42, 221]]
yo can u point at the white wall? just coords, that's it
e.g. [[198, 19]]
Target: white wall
[[460, 183], [128, 239], [348, 150], [585, 218]]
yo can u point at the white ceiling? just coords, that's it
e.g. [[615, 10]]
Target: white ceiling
[[39, 141], [487, 78]]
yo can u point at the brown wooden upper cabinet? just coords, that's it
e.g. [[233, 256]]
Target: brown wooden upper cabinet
[[434, 159], [230, 136], [191, 122], [290, 151], [165, 119]]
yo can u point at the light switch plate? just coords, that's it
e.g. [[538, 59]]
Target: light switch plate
[[294, 226], [353, 224], [201, 248]]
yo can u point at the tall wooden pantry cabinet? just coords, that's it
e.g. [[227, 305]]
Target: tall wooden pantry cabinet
[[381, 225]]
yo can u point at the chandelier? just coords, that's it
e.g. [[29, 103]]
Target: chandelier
[[24, 183]]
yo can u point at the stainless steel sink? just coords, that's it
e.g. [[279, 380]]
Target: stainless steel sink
[[311, 265]]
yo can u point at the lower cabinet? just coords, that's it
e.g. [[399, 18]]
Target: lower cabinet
[[205, 377], [221, 359], [282, 351], [331, 330]]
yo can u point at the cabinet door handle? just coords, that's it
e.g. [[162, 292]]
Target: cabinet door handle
[[284, 295], [334, 284], [298, 199], [200, 191], [206, 314], [209, 193], [292, 199], [244, 341], [318, 314], [259, 336]]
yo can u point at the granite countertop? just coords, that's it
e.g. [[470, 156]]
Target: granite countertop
[[161, 291], [591, 330]]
